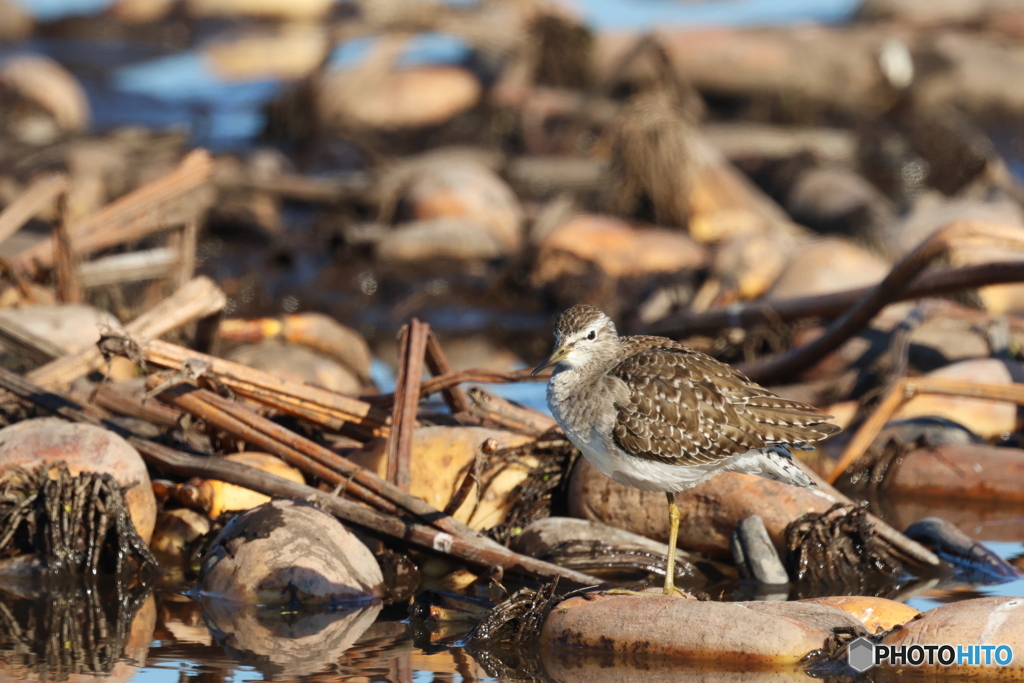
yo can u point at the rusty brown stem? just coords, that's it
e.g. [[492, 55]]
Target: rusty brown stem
[[746, 315], [785, 366], [437, 362], [476, 551], [412, 349]]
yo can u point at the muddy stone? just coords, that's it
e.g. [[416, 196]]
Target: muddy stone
[[709, 512], [982, 621], [297, 364], [288, 552], [753, 633], [959, 471], [877, 614], [85, 448]]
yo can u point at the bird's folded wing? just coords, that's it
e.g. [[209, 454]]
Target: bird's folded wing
[[683, 407]]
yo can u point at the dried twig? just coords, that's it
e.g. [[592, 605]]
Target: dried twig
[[323, 406], [438, 365], [199, 298], [38, 195], [69, 280], [901, 392], [131, 217], [506, 414], [477, 551], [786, 365], [412, 348]]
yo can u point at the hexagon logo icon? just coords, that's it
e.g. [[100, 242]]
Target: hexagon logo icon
[[861, 654]]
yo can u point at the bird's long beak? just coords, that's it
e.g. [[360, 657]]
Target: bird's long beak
[[558, 354]]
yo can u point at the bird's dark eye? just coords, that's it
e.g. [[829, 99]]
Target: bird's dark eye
[[592, 335]]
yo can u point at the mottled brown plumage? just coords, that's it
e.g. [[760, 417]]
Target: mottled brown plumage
[[688, 408]]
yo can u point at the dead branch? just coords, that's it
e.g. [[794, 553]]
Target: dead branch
[[477, 551], [904, 390], [331, 408], [131, 217], [747, 315], [454, 397], [197, 299], [783, 367], [492, 408], [38, 195], [412, 349], [69, 279]]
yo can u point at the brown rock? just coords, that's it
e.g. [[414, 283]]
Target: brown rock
[[298, 364], [987, 419], [72, 327], [290, 52], [877, 614], [461, 188], [288, 550], [440, 458], [221, 497], [273, 9], [979, 75], [51, 89], [15, 23], [983, 473], [835, 199], [709, 512], [175, 530], [751, 634], [85, 448], [412, 97], [440, 238], [828, 265], [617, 248], [982, 621]]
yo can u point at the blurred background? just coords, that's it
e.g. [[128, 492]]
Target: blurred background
[[482, 165]]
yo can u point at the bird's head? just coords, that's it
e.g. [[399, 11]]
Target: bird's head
[[583, 335]]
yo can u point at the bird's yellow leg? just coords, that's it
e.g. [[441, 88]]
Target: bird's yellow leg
[[673, 538], [670, 565]]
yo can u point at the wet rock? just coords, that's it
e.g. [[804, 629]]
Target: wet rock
[[15, 23], [988, 419], [749, 633], [461, 188], [932, 12], [317, 331], [440, 238], [441, 456], [981, 621], [755, 555], [289, 553], [975, 562], [709, 512], [805, 62], [297, 364], [216, 497], [617, 248], [877, 614], [551, 538], [828, 265], [983, 473], [172, 538], [271, 9], [72, 327], [290, 52], [411, 97], [54, 102], [286, 644], [978, 75], [85, 448], [141, 11], [833, 199]]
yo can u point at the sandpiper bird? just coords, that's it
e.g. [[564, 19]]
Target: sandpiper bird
[[650, 413]]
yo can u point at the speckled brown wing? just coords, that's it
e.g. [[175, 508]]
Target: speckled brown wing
[[687, 408]]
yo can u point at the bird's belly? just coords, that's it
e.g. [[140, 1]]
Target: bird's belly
[[640, 473]]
